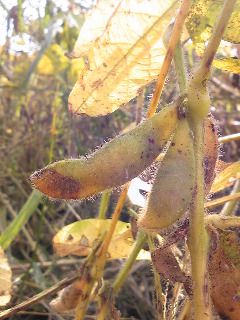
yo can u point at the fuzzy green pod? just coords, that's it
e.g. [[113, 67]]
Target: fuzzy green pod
[[173, 187], [117, 162]]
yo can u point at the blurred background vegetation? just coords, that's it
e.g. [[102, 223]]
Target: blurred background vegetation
[[36, 77]]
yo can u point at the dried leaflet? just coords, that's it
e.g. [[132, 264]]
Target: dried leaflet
[[5, 280], [116, 163], [68, 298], [121, 40], [210, 151], [166, 263], [224, 270]]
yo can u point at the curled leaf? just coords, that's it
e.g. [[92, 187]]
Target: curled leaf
[[121, 40], [68, 297], [166, 263]]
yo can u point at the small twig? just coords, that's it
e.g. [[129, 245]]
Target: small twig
[[140, 105], [222, 200], [185, 313], [229, 207], [175, 36], [180, 67], [229, 138], [122, 275], [160, 300], [3, 6], [29, 302], [104, 203], [20, 17], [101, 256], [45, 264], [115, 217]]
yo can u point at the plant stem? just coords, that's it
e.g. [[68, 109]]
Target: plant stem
[[122, 275], [174, 38], [203, 71], [157, 284], [198, 238], [20, 17], [140, 105], [180, 67], [103, 207], [83, 305], [218, 202], [115, 217], [98, 265], [228, 209], [185, 313], [229, 138]]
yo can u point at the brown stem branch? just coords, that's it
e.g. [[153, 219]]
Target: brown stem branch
[[174, 38]]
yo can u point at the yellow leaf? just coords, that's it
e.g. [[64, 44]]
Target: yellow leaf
[[79, 237], [53, 61], [45, 66], [122, 42], [228, 64], [76, 65], [202, 17], [5, 280], [227, 177]]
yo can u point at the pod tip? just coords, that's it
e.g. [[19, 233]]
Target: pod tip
[[55, 185]]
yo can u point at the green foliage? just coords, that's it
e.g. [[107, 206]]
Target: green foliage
[[17, 224]]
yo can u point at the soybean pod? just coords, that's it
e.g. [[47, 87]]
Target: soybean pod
[[116, 163], [173, 186]]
